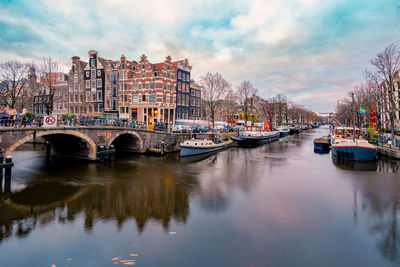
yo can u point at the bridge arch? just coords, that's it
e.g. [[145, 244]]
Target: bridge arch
[[92, 153], [131, 138]]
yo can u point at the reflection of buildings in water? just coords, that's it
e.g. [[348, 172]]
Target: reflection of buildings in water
[[379, 205], [153, 195], [389, 165], [234, 168]]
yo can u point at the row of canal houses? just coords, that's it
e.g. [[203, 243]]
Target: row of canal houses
[[141, 91]]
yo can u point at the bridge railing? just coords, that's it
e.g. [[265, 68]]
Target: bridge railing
[[27, 122]]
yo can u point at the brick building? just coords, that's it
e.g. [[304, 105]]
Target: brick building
[[195, 101], [76, 92], [148, 93]]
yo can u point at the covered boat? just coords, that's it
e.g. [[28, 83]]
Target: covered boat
[[202, 144], [322, 143], [283, 130], [347, 144], [255, 135]]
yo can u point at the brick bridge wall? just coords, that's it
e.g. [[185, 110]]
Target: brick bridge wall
[[94, 137]]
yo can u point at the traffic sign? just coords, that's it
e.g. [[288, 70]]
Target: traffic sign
[[50, 121], [108, 135]]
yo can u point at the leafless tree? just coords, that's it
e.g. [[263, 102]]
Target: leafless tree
[[13, 81], [48, 78], [214, 90], [246, 93], [386, 64], [230, 104]]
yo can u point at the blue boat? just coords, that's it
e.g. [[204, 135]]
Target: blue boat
[[322, 143]]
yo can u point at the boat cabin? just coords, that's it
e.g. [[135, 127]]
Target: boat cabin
[[347, 132]]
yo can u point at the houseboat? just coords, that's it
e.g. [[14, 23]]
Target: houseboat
[[255, 135], [202, 144]]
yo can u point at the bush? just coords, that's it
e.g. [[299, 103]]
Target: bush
[[29, 115]]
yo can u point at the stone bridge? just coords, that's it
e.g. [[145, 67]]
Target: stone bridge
[[86, 142]]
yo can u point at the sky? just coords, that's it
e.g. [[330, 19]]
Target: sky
[[313, 51]]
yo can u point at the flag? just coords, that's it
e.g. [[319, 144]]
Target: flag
[[363, 110]]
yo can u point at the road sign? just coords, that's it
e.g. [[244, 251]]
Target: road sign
[[50, 121], [108, 135]]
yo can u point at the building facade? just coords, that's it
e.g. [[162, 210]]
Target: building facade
[[94, 84], [148, 94], [183, 70], [195, 101], [60, 97], [76, 91]]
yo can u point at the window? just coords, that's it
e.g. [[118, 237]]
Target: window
[[94, 97], [123, 66], [168, 75], [171, 87], [88, 84], [143, 66], [87, 74], [155, 73], [143, 86], [70, 87], [171, 99], [168, 67], [75, 78], [108, 78], [125, 86], [98, 73], [121, 99], [153, 98], [76, 87], [126, 109], [143, 75], [121, 75], [108, 91], [114, 92], [108, 103], [114, 105], [143, 98], [98, 82], [133, 68], [115, 78], [152, 86], [76, 98], [93, 74], [164, 86], [135, 86], [164, 98], [93, 84], [87, 96], [178, 99], [126, 98], [179, 86], [179, 75], [183, 87], [121, 110], [135, 98], [108, 67], [71, 99], [99, 96]]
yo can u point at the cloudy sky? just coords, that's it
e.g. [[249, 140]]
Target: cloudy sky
[[311, 50]]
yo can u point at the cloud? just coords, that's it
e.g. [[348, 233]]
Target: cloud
[[310, 50]]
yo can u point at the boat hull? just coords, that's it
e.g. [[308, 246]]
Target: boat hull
[[283, 134], [321, 146], [357, 153], [190, 150], [249, 141]]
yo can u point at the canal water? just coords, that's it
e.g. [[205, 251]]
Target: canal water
[[280, 204]]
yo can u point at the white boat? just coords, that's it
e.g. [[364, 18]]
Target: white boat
[[204, 143], [349, 145]]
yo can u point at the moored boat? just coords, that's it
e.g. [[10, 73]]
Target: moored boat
[[283, 130], [347, 144], [322, 143], [255, 135], [204, 143]]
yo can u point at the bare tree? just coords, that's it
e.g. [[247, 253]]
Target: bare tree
[[386, 64], [13, 79], [246, 93], [214, 89], [230, 104], [48, 78]]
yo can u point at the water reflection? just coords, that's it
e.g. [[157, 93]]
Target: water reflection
[[355, 165]]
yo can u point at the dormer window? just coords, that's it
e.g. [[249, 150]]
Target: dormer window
[[143, 66], [123, 66]]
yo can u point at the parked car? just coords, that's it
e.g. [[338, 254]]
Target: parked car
[[239, 126], [177, 128], [186, 129], [200, 129]]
